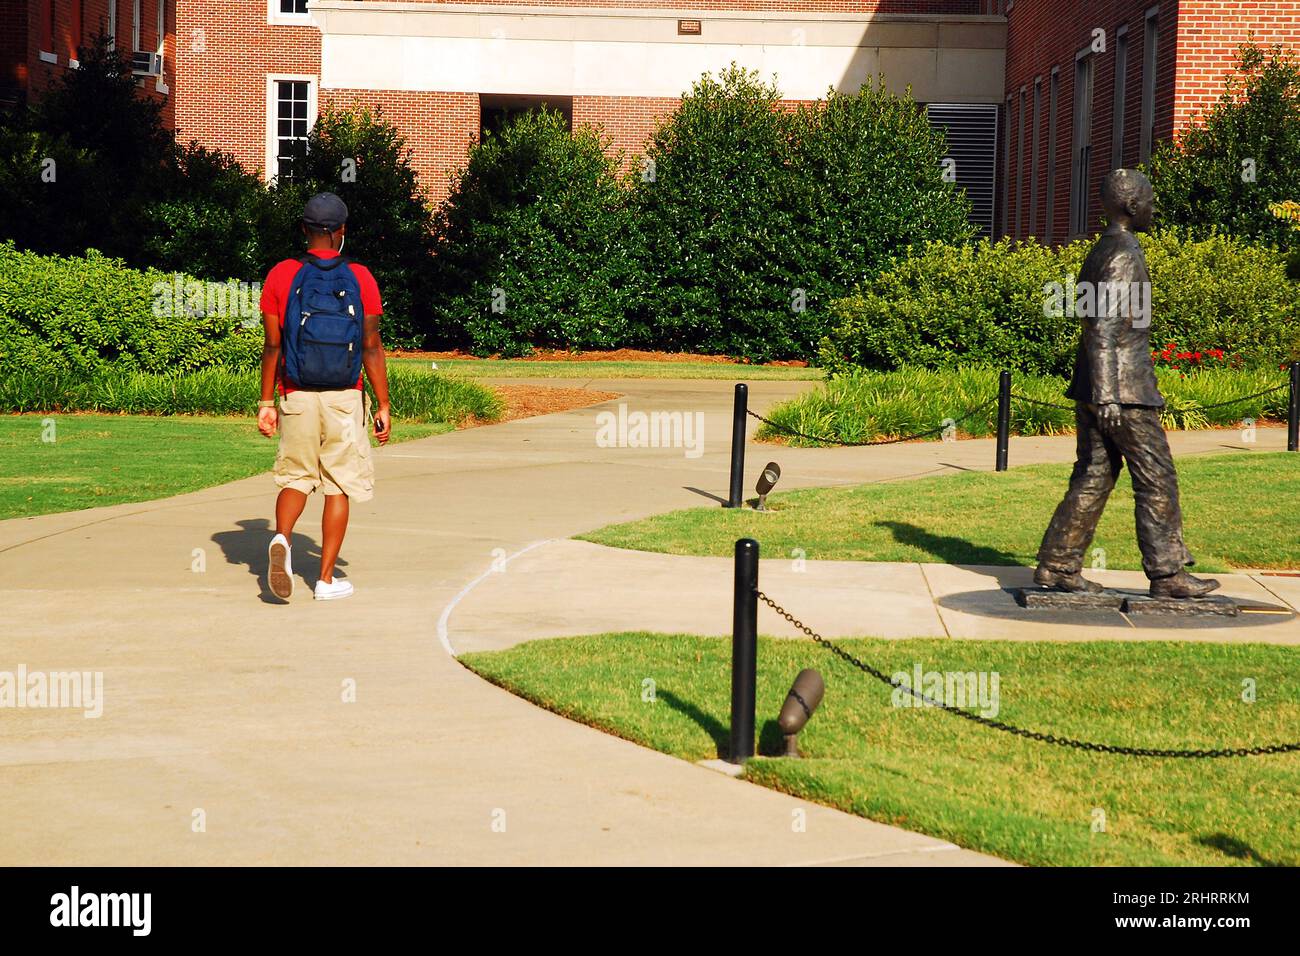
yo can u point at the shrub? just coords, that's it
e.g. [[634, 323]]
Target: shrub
[[952, 305], [1200, 180], [983, 303], [216, 220], [871, 406], [77, 314], [756, 216], [417, 395], [536, 244], [356, 153]]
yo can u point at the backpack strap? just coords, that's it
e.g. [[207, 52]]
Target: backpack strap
[[324, 265]]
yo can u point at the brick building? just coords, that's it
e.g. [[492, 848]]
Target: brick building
[[1025, 88]]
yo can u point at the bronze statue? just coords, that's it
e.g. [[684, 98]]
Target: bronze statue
[[1117, 410]]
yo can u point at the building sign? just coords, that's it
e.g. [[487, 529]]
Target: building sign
[[688, 28]]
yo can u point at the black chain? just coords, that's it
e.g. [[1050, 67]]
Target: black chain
[[1020, 731], [785, 429], [1244, 398], [1035, 401]]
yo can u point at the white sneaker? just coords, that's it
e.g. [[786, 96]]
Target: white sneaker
[[280, 573], [333, 590]]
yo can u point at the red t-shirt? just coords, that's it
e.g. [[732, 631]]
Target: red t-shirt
[[275, 295]]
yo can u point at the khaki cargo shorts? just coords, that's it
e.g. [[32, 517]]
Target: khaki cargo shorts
[[323, 443]]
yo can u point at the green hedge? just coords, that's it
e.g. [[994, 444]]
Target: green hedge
[[983, 303], [79, 314]]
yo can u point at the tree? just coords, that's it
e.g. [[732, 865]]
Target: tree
[[537, 245], [356, 153], [1224, 172], [758, 217]]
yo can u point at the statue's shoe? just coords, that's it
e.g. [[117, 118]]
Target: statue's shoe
[[1075, 582], [1182, 585]]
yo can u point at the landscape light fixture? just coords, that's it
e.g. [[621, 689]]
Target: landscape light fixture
[[766, 482], [803, 699]]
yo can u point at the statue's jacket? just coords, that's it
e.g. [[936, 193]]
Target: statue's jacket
[[1114, 365]]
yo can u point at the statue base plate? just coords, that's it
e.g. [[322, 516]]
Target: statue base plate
[[1126, 603]]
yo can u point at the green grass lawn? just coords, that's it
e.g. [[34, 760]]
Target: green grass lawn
[[100, 460], [929, 771], [1239, 511], [517, 368]]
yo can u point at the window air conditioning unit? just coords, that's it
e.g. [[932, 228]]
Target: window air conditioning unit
[[145, 63]]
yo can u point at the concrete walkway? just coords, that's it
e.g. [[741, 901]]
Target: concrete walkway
[[562, 588], [225, 737]]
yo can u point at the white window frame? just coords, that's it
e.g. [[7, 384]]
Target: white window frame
[[273, 15], [272, 169], [161, 83]]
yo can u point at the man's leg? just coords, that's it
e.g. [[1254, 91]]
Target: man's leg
[[1145, 447], [334, 525], [1097, 465], [289, 505]]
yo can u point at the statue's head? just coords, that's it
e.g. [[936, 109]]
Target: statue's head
[[1127, 197]]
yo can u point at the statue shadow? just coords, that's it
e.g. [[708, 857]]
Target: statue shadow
[[948, 549], [247, 546], [1237, 849]]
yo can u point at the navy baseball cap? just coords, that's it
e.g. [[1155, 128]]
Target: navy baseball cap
[[325, 211]]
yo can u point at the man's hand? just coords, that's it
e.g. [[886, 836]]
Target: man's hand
[[1109, 415], [268, 420], [383, 425]]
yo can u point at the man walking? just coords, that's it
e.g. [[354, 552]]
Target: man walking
[[320, 316], [1117, 411]]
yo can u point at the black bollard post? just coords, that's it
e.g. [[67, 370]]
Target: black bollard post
[[744, 651], [1293, 411], [736, 494], [1004, 419]]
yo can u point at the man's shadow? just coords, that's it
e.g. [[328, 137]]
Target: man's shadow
[[247, 546]]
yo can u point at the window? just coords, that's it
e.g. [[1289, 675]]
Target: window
[[74, 41], [1121, 83], [291, 113], [1020, 169], [110, 28], [1006, 172], [135, 25], [1033, 156], [496, 109], [1054, 91], [288, 11], [1149, 43], [1081, 157], [47, 29]]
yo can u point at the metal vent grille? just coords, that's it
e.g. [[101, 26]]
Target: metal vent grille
[[972, 131]]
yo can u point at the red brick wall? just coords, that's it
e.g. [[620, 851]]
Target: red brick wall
[[13, 47], [1042, 34], [1209, 33], [438, 127], [924, 7], [224, 52]]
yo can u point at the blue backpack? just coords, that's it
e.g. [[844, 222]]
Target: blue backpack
[[323, 325]]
